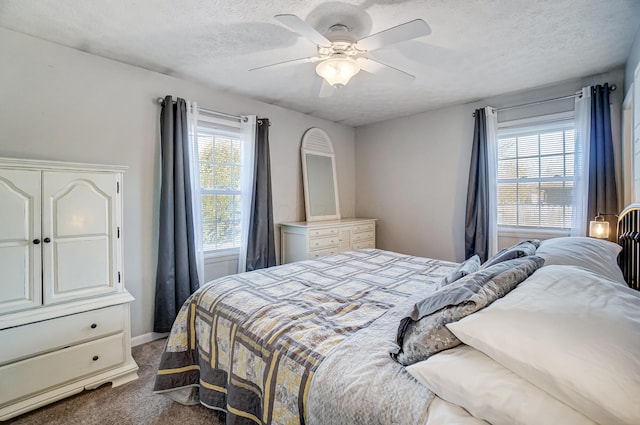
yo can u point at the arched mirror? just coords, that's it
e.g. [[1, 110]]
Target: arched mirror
[[319, 176]]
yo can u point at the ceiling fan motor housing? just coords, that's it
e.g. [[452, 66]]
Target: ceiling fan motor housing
[[346, 48]]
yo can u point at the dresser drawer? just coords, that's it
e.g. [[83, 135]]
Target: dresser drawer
[[363, 227], [317, 254], [357, 237], [332, 231], [59, 367], [322, 243], [364, 244], [41, 337]]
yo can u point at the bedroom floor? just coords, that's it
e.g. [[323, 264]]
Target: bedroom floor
[[132, 403]]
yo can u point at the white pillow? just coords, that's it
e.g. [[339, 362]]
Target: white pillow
[[597, 255], [468, 378], [570, 332], [442, 412]]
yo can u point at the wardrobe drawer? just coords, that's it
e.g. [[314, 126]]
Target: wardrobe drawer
[[364, 244], [313, 233], [321, 243], [41, 337], [357, 237], [37, 374], [363, 227]]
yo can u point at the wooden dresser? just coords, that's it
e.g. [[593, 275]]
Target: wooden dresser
[[305, 240], [64, 311]]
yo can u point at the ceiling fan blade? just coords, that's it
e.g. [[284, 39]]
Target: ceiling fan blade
[[376, 67], [326, 90], [407, 31], [301, 27], [285, 63]]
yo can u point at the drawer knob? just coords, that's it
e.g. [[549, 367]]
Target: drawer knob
[[95, 358], [36, 241], [94, 325], [47, 240]]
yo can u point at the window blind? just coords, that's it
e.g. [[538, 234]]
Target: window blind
[[535, 175]]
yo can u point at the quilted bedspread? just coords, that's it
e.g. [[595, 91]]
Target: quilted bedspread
[[250, 344], [359, 384]]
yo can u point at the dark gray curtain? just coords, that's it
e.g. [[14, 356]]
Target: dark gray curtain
[[603, 194], [177, 275], [476, 234], [261, 251]]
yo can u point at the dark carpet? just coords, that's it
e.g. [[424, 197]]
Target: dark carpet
[[132, 403]]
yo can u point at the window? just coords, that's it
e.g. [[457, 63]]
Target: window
[[220, 160], [535, 175]]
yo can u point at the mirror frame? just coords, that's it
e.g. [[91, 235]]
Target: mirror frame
[[317, 142]]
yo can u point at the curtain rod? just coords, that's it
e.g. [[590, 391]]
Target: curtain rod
[[210, 112], [540, 102]]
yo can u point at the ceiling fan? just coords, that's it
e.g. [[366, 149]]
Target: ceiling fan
[[341, 56]]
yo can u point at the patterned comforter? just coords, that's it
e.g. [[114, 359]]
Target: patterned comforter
[[251, 344]]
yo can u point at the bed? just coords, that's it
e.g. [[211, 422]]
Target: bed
[[377, 337]]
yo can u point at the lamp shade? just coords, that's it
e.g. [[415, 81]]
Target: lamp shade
[[338, 69], [599, 229]]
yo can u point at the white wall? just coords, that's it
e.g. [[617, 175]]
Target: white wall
[[412, 172], [63, 104], [632, 61], [409, 176]]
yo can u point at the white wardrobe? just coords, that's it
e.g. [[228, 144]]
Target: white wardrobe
[[64, 311]]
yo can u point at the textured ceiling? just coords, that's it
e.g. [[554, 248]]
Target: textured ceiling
[[477, 48]]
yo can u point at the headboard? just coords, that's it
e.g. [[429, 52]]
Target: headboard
[[629, 239]]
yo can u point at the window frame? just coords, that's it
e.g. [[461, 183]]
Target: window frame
[[212, 127], [515, 128]]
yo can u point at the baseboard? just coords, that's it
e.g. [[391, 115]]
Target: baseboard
[[148, 337]]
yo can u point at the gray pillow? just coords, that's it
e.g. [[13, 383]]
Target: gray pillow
[[423, 333], [519, 250], [469, 266]]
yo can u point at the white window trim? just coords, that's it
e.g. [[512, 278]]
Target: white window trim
[[516, 126], [218, 123], [218, 255], [540, 119], [215, 126], [220, 131], [526, 231]]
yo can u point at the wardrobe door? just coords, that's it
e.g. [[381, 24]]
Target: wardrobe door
[[79, 232], [20, 260]]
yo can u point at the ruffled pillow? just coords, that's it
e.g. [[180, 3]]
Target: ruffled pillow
[[471, 265], [519, 250], [422, 332]]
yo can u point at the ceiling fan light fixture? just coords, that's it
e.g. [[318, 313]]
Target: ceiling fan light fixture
[[338, 70]]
